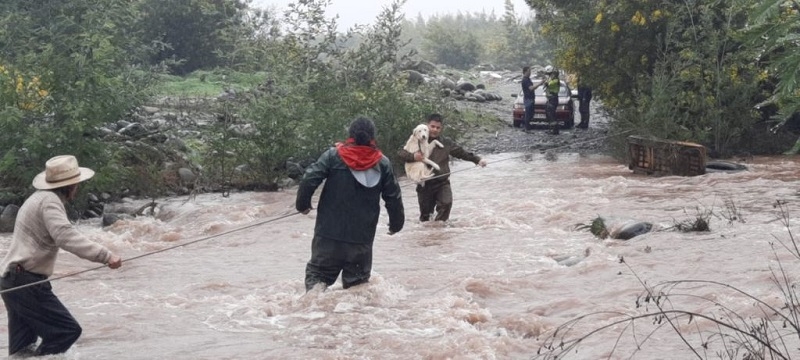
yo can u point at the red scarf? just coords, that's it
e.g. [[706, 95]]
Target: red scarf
[[359, 157]]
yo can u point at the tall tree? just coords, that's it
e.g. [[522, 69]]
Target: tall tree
[[67, 69], [639, 55], [190, 31], [776, 35], [452, 45]]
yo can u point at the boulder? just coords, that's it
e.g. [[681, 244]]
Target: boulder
[[465, 87], [446, 83], [187, 175], [110, 219], [631, 230], [414, 77], [8, 217]]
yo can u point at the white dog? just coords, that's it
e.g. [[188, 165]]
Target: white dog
[[418, 142]]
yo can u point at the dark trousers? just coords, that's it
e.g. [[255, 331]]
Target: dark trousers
[[583, 109], [550, 111], [526, 119], [35, 312], [330, 257], [436, 197]]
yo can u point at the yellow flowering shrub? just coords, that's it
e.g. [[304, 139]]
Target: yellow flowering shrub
[[598, 18], [656, 15], [21, 90], [638, 18], [615, 27]]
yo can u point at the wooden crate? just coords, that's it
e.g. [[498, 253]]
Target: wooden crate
[[660, 157]]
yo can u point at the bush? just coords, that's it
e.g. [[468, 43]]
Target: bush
[[313, 89], [73, 60]]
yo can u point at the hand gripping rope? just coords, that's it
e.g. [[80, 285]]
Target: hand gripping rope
[[259, 223]]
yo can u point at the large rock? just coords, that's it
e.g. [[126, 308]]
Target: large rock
[[465, 87], [422, 66], [448, 84], [8, 217], [630, 230], [110, 219], [415, 77], [187, 175]]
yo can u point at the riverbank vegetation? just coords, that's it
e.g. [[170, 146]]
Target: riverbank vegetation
[[722, 73], [283, 86]]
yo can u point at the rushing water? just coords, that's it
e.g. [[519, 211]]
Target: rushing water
[[493, 283]]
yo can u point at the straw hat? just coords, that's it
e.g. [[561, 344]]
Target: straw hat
[[61, 171]]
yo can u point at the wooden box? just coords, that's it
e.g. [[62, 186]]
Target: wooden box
[[660, 157]]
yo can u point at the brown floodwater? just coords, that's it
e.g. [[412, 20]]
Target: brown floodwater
[[495, 282]]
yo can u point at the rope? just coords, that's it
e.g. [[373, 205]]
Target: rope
[[151, 253], [527, 154], [269, 221]]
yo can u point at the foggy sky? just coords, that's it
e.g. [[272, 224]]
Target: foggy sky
[[353, 12]]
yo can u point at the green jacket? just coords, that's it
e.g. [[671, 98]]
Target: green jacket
[[348, 211], [441, 156], [553, 86]]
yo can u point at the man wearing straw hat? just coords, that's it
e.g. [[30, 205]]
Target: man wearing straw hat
[[40, 230]]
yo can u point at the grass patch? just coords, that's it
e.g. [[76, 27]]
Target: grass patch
[[207, 83]]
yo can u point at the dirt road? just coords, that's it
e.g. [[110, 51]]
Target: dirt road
[[506, 138]]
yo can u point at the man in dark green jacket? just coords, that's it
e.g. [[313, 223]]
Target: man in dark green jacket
[[435, 194], [356, 176]]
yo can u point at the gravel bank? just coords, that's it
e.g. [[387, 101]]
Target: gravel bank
[[506, 138]]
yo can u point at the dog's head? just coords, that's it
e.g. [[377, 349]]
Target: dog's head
[[421, 132]]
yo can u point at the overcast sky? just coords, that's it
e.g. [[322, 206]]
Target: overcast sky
[[353, 12]]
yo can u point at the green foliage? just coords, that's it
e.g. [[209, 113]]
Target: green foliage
[[665, 69], [314, 87], [192, 33], [452, 45], [208, 83], [79, 54], [775, 34], [520, 44]]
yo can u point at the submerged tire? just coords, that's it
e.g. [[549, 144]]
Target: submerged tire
[[724, 166]]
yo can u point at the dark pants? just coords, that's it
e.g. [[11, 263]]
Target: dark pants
[[550, 111], [35, 312], [435, 197], [329, 257], [526, 119], [583, 109]]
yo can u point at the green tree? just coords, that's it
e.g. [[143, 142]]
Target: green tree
[[774, 34], [640, 54], [191, 32], [315, 87], [66, 72], [454, 46], [520, 44]]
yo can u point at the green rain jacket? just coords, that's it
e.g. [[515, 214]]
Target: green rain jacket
[[348, 211]]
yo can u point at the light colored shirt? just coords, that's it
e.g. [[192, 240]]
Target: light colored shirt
[[41, 229]]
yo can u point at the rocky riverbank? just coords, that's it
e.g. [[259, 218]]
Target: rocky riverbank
[[503, 137], [163, 129]]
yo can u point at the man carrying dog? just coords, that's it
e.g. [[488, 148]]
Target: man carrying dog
[[435, 194]]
